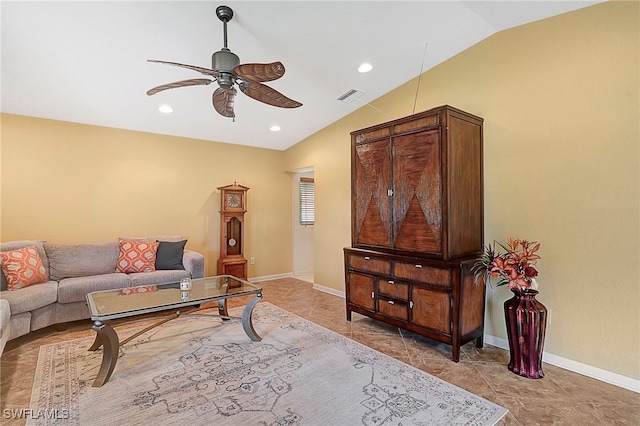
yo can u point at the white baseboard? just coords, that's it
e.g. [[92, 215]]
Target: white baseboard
[[318, 287], [298, 273], [328, 290], [577, 367], [269, 277]]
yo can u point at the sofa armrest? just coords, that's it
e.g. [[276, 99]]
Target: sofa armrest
[[5, 314], [194, 263]]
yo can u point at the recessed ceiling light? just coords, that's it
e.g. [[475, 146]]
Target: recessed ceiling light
[[365, 67], [166, 109], [275, 128]]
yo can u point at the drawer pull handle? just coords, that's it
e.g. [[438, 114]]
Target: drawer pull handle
[[391, 302], [418, 266], [391, 282], [367, 258], [373, 295]]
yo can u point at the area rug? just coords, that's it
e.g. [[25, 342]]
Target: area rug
[[201, 371]]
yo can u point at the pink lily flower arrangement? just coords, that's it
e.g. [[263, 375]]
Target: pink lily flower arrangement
[[514, 266]]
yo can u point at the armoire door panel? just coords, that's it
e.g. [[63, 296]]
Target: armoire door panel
[[414, 233], [417, 201], [373, 231], [361, 290], [431, 309], [372, 205]]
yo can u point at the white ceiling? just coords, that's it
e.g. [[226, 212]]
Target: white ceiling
[[85, 61]]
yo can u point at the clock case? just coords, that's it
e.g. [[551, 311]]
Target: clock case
[[233, 202]]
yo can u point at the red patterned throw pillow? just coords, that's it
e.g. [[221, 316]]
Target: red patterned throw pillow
[[137, 256], [22, 267]]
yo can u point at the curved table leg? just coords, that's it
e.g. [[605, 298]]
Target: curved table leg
[[109, 340], [96, 343], [222, 309], [246, 319]]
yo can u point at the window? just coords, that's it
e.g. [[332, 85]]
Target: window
[[307, 201]]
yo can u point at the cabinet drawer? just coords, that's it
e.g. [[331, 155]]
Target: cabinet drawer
[[370, 264], [422, 273], [393, 289], [393, 308]]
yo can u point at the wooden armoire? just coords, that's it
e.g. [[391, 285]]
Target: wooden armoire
[[417, 225]]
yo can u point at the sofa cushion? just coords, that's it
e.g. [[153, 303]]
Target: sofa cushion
[[158, 277], [12, 245], [79, 260], [137, 256], [22, 267], [169, 255], [32, 297], [75, 289]]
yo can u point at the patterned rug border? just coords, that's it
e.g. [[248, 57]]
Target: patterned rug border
[[71, 414]]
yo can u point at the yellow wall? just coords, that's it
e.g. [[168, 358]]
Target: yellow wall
[[74, 183], [561, 108]]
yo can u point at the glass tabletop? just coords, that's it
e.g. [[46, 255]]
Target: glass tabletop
[[129, 301]]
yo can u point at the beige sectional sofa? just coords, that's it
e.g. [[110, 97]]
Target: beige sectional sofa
[[72, 272]]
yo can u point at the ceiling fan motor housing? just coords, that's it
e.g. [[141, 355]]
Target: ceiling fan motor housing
[[224, 61]]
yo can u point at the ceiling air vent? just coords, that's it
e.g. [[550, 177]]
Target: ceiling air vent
[[350, 95]]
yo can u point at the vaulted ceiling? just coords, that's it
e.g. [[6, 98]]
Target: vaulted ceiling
[[86, 61]]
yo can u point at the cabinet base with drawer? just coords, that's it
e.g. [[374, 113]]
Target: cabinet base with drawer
[[434, 298]]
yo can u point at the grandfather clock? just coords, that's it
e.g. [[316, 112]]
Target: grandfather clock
[[233, 206]]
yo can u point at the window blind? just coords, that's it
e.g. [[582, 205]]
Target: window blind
[[307, 201]]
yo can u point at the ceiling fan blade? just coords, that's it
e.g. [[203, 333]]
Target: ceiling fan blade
[[223, 101], [205, 71], [263, 93], [260, 72], [183, 83]]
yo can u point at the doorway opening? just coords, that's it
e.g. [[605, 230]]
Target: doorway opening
[[303, 187]]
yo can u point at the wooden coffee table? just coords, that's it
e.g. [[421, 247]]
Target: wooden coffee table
[[132, 301]]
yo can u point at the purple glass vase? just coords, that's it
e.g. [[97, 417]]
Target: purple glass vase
[[526, 320]]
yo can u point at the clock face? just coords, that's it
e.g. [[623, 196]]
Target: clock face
[[234, 200]]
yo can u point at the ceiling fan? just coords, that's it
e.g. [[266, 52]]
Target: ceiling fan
[[227, 71]]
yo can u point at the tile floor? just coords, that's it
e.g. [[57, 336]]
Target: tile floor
[[562, 397]]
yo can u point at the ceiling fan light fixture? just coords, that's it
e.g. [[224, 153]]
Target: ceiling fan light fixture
[[225, 80], [365, 67], [166, 109]]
